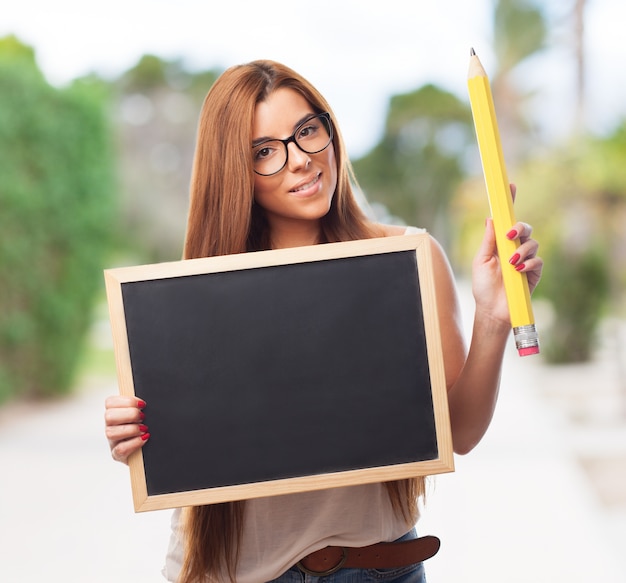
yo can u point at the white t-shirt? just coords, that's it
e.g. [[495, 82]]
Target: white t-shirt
[[280, 530]]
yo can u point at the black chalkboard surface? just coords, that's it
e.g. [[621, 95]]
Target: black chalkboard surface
[[282, 371]]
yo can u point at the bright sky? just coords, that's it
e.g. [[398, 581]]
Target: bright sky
[[357, 52]]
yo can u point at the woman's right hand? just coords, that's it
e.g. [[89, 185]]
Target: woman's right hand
[[124, 426]]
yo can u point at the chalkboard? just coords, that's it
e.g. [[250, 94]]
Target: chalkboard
[[282, 371]]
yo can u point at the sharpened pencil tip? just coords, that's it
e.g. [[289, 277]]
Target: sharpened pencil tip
[[472, 52]]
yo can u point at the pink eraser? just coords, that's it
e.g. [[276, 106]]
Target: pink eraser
[[528, 351]]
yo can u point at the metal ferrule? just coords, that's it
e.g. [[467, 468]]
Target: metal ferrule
[[526, 337]]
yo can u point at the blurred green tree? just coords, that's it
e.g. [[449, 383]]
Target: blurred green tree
[[57, 195], [428, 144], [419, 163], [578, 285], [583, 218]]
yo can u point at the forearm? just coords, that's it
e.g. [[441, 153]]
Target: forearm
[[472, 397]]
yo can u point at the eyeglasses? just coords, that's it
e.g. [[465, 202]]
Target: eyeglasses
[[312, 136]]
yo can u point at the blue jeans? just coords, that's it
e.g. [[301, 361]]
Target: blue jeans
[[408, 574]]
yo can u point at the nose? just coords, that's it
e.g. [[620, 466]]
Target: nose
[[296, 158]]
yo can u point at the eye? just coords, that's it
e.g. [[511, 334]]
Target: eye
[[264, 151], [309, 129]]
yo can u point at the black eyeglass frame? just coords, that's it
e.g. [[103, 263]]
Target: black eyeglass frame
[[292, 138]]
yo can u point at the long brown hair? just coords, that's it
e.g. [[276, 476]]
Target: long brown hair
[[223, 219]]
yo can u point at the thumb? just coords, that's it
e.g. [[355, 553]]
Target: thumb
[[487, 248]]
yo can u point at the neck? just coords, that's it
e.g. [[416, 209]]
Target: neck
[[295, 235]]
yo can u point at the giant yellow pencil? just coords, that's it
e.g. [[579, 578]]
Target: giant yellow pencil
[[501, 204]]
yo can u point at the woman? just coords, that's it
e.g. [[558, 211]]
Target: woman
[[271, 172]]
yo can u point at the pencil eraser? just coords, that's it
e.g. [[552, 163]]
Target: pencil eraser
[[528, 350]]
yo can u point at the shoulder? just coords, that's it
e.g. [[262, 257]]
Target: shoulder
[[440, 259], [438, 254]]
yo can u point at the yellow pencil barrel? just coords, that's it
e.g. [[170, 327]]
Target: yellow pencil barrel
[[501, 205]]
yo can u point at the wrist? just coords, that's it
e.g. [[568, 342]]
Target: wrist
[[488, 325]]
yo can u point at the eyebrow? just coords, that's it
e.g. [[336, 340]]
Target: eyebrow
[[295, 127]]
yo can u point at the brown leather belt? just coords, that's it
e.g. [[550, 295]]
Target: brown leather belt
[[379, 556]]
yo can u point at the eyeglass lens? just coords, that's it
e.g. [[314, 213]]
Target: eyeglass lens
[[312, 136]]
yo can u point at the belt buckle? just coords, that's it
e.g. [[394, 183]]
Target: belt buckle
[[342, 560]]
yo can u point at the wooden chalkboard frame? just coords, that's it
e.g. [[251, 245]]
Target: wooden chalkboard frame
[[440, 461]]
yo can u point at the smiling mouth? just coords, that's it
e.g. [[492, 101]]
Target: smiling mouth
[[309, 184]]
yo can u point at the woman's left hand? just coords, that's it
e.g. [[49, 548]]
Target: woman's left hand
[[487, 284]]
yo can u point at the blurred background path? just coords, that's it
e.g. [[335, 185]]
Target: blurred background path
[[542, 498]]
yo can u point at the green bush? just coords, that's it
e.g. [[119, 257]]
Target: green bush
[[577, 283], [57, 203]]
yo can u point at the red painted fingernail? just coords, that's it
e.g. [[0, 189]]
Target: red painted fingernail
[[512, 234], [142, 415], [143, 428], [145, 436], [514, 259], [520, 267], [141, 404]]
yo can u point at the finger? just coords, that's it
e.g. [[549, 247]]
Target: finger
[[124, 449], [123, 416], [115, 401], [532, 265], [487, 247], [520, 230], [513, 188], [529, 249], [524, 252], [115, 433]]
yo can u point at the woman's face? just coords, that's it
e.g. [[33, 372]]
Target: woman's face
[[303, 190]]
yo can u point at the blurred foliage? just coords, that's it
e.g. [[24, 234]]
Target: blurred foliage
[[57, 188], [155, 110], [14, 53], [520, 33], [152, 73], [577, 205], [575, 198], [511, 48], [579, 280], [419, 163], [603, 167], [88, 172]]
